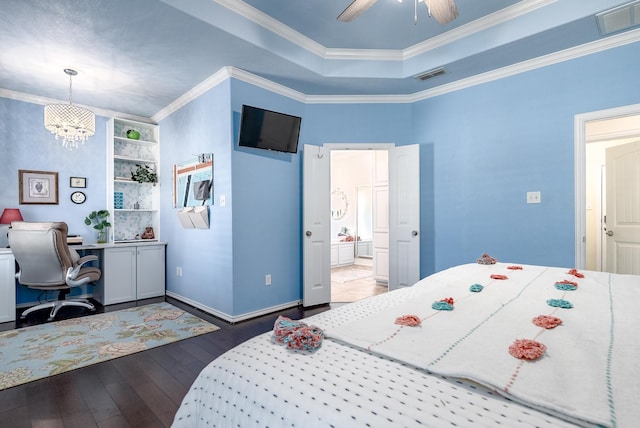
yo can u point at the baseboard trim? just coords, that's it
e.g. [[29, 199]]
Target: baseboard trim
[[233, 318]]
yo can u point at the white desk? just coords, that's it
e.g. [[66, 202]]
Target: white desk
[[7, 286], [130, 271]]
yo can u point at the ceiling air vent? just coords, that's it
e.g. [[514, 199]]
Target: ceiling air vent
[[619, 18], [430, 74]]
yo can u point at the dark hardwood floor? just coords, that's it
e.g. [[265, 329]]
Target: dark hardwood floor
[[137, 391]]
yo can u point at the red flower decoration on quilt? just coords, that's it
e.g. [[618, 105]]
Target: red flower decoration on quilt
[[497, 276], [527, 349], [547, 321], [514, 267], [448, 300], [575, 273], [408, 320], [566, 281]]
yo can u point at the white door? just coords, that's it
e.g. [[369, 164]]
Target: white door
[[380, 241], [404, 216], [316, 226], [623, 208]]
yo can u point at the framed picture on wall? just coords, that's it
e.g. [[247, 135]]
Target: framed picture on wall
[[38, 187], [78, 182]]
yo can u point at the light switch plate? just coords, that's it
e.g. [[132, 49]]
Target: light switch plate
[[534, 197]]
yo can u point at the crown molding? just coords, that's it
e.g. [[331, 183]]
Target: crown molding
[[364, 54], [532, 64], [267, 84], [221, 76], [34, 99], [251, 13], [214, 80], [226, 73], [544, 61], [466, 30]]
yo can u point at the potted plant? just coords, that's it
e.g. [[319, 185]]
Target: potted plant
[[144, 174], [100, 223]]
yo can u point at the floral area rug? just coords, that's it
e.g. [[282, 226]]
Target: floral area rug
[[32, 353]]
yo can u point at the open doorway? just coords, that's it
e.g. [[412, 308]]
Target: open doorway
[[396, 229], [595, 133], [359, 224]]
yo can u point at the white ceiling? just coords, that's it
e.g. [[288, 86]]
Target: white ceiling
[[138, 56]]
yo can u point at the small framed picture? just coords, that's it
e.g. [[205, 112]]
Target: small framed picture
[[38, 187], [77, 182]]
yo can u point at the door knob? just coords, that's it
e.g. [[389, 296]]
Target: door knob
[[609, 232], [414, 233], [308, 233]]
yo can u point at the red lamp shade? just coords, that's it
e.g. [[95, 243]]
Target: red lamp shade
[[9, 215]]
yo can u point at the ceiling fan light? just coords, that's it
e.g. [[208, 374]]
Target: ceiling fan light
[[443, 11], [354, 9]]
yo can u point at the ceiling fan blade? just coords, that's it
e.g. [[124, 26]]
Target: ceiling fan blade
[[443, 11], [354, 9]]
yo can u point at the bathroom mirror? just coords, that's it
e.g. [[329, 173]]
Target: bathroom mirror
[[339, 204]]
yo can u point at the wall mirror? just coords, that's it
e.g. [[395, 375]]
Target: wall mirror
[[193, 181], [339, 204]]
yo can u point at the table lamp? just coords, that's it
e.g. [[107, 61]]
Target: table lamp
[[8, 215]]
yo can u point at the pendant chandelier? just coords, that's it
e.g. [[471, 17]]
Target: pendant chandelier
[[71, 123]]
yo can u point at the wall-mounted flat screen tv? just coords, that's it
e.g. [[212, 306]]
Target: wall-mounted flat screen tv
[[270, 130]]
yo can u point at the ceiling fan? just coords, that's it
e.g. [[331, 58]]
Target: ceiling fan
[[443, 11]]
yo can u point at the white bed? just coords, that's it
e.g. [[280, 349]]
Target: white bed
[[454, 369]]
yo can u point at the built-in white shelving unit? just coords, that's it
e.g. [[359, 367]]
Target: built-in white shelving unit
[[140, 201]]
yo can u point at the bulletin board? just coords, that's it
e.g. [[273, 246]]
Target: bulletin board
[[192, 180]]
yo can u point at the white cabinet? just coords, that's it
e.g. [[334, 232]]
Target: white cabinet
[[365, 249], [150, 273], [342, 254], [134, 206], [131, 272], [118, 281], [7, 287]]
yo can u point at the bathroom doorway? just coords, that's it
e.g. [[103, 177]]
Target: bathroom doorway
[[357, 265]]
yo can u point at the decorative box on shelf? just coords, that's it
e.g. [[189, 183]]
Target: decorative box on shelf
[[118, 200]]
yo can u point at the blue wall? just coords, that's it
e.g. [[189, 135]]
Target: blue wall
[[26, 144], [482, 149], [494, 142], [266, 215], [205, 255]]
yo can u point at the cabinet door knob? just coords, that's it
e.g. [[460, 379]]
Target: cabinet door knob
[[308, 233]]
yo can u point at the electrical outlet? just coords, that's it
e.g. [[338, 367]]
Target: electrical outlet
[[178, 270], [267, 279], [534, 197]]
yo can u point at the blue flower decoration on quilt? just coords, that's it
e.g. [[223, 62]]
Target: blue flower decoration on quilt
[[442, 306], [476, 288], [559, 303], [565, 287]]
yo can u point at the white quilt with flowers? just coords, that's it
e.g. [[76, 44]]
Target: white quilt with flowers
[[585, 369]]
